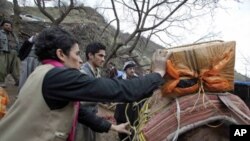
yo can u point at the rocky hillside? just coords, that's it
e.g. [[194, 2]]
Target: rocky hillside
[[88, 25]]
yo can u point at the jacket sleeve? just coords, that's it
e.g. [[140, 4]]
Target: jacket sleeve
[[25, 50], [64, 85], [90, 119]]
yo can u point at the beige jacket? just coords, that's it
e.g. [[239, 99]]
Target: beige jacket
[[30, 119]]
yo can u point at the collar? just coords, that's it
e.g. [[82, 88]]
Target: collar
[[95, 71], [52, 62]]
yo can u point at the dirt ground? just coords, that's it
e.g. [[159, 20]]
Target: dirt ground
[[12, 91]]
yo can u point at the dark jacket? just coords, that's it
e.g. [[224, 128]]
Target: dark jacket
[[4, 44], [131, 112], [62, 85], [25, 50]]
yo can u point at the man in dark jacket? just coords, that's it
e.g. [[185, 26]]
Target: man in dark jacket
[[29, 60], [132, 111], [9, 46]]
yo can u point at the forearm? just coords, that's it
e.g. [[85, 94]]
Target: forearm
[[90, 119]]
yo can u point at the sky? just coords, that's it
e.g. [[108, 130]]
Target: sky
[[232, 23]]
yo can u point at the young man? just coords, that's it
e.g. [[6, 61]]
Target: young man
[[95, 55], [9, 46]]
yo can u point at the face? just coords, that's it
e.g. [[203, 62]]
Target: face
[[110, 66], [147, 71], [130, 71], [73, 60], [98, 58], [7, 27]]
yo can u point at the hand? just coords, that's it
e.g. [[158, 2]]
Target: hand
[[121, 128], [33, 38], [159, 61]]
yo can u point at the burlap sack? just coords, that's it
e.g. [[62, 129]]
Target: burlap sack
[[211, 59]]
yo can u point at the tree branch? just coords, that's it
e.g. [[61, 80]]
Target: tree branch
[[114, 46]]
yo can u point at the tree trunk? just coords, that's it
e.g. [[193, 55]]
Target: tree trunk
[[16, 20]]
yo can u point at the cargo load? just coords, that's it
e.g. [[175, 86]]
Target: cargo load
[[198, 68]]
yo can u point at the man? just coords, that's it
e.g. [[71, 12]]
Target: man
[[29, 60], [113, 72], [9, 46], [95, 55], [129, 69], [131, 112]]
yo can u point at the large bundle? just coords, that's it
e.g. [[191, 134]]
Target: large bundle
[[4, 100], [164, 119], [200, 67], [206, 71]]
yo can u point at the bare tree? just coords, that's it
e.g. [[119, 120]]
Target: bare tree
[[63, 8], [246, 62], [209, 35], [151, 17], [17, 12]]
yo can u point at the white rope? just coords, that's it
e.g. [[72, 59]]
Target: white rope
[[178, 112]]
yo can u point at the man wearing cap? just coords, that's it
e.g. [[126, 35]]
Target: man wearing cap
[[129, 69], [9, 46], [131, 112]]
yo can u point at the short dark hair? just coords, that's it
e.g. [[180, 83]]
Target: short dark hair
[[51, 39], [94, 48], [6, 21]]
